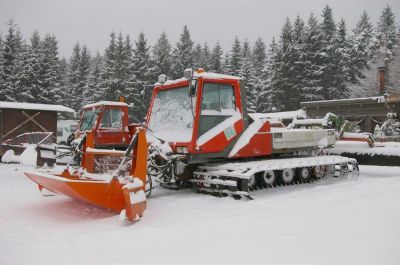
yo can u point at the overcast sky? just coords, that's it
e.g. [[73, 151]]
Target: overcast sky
[[91, 21]]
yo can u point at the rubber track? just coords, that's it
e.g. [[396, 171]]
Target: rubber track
[[228, 179]]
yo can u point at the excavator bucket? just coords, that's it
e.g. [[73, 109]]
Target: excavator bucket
[[124, 195]]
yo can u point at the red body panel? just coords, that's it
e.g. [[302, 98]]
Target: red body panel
[[259, 145], [220, 142]]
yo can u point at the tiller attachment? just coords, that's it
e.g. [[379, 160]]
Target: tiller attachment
[[122, 191]]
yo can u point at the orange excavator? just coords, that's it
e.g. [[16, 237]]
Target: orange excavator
[[197, 134]]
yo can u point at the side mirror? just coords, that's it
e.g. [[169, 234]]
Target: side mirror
[[193, 87]]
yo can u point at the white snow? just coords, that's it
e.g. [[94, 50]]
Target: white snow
[[307, 121], [138, 196], [363, 148], [33, 106], [105, 103], [209, 75], [10, 157], [27, 157], [380, 99], [206, 75], [330, 222], [137, 183], [285, 115], [102, 151]]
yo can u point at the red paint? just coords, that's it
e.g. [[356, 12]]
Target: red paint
[[219, 142], [259, 145]]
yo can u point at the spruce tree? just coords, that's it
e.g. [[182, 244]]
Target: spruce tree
[[205, 60], [24, 77], [93, 94], [298, 56], [312, 89], [259, 56], [128, 66], [327, 52], [109, 88], [264, 101], [142, 71], [84, 75], [161, 56], [197, 56], [246, 72], [34, 69], [342, 61], [216, 59], [362, 47], [12, 48], [49, 64], [62, 94], [387, 29], [182, 54], [75, 93], [225, 66], [283, 95], [235, 57]]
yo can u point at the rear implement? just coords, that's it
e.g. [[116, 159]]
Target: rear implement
[[121, 191]]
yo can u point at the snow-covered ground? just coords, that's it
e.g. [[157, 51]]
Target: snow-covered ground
[[330, 222]]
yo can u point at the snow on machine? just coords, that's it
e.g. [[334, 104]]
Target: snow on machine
[[199, 135]]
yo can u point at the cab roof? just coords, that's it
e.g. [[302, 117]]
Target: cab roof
[[105, 103], [206, 75]]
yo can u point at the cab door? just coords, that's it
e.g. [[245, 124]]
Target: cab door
[[111, 131], [220, 119]]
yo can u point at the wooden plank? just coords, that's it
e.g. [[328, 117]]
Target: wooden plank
[[21, 124]]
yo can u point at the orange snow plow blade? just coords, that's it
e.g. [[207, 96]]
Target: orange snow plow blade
[[122, 195]]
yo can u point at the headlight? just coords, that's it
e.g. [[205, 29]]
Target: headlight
[[182, 149]]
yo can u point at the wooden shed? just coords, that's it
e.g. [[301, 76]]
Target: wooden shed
[[17, 118], [366, 112]]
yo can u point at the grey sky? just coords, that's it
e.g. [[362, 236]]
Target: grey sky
[[91, 21]]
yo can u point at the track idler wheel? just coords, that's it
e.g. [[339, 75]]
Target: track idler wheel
[[135, 201], [287, 176], [304, 174], [268, 178], [252, 182], [319, 171]]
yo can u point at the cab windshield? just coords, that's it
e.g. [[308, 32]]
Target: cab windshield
[[171, 117], [88, 119]]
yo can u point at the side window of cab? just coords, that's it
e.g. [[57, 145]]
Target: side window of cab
[[218, 104], [111, 118]]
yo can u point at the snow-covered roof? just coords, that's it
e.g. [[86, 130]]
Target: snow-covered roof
[[285, 115], [33, 106], [108, 103], [210, 75], [207, 75], [380, 99]]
